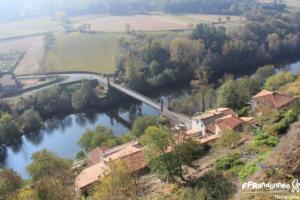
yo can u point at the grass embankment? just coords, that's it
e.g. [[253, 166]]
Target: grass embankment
[[83, 52]]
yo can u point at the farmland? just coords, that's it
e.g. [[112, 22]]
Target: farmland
[[97, 52], [34, 53], [83, 52], [28, 27], [151, 22]]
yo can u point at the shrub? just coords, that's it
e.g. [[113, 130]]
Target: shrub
[[229, 161], [229, 138], [247, 170], [283, 124], [262, 138]]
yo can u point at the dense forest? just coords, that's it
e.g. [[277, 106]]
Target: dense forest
[[16, 9], [149, 61]]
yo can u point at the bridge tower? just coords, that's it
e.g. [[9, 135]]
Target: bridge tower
[[108, 80], [168, 103], [161, 105]]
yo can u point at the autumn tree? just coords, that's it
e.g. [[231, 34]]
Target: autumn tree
[[48, 164], [10, 181], [187, 51], [26, 193], [120, 183]]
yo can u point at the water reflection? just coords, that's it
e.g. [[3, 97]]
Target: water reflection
[[62, 135], [35, 137], [17, 145]]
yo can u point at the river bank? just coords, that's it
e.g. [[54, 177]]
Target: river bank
[[61, 135]]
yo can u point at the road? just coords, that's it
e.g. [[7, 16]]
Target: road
[[74, 77], [66, 78]]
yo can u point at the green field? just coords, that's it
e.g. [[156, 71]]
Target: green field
[[83, 52]]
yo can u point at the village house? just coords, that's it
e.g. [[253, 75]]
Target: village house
[[8, 83], [270, 99], [98, 161], [231, 122], [210, 125], [201, 122]]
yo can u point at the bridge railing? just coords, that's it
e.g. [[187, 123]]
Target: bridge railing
[[128, 90]]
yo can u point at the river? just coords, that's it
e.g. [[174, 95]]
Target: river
[[62, 136]]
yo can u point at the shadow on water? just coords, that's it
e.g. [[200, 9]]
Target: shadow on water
[[3, 154], [17, 145], [35, 137], [58, 123]]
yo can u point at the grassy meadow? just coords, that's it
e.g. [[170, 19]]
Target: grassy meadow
[[83, 52]]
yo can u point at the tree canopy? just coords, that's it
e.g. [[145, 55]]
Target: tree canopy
[[48, 164]]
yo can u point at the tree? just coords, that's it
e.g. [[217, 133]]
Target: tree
[[155, 51], [167, 158], [229, 138], [30, 121], [120, 183], [210, 34], [50, 102], [154, 68], [215, 186], [264, 72], [26, 194], [49, 40], [141, 123], [9, 182], [84, 97], [127, 27], [186, 51], [54, 189], [158, 140], [46, 164], [189, 151], [101, 136], [228, 95], [203, 75], [9, 130], [278, 80]]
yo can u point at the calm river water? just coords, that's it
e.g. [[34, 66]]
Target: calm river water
[[62, 136]]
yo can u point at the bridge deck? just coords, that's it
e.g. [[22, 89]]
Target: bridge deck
[[70, 77], [169, 114]]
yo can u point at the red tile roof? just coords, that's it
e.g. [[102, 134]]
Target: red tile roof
[[275, 99], [94, 156], [135, 161], [229, 122], [91, 175], [99, 158]]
